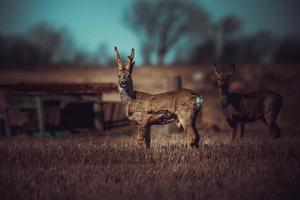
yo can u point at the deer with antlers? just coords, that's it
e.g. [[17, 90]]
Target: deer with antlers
[[145, 110], [240, 109]]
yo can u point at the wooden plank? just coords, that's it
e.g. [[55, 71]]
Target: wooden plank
[[40, 116], [98, 116], [118, 112], [6, 124], [115, 124], [108, 111], [112, 112], [5, 116], [65, 88]]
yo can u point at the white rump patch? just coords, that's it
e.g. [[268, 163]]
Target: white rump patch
[[199, 101]]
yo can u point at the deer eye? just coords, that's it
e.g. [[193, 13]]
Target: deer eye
[[128, 76], [119, 76]]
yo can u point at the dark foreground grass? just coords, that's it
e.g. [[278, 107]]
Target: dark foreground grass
[[114, 168]]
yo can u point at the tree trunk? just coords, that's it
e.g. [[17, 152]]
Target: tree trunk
[[161, 57], [146, 51]]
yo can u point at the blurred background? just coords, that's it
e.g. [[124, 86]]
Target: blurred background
[[81, 33], [71, 42]]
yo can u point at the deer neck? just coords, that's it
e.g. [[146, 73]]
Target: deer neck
[[224, 97], [127, 94]]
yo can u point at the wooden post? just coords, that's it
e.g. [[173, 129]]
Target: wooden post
[[5, 117], [6, 124], [175, 83], [40, 115], [98, 110], [112, 111]]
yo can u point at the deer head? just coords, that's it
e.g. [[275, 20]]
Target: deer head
[[223, 77], [125, 70]]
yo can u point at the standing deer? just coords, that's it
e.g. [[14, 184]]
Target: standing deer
[[144, 110], [240, 109]]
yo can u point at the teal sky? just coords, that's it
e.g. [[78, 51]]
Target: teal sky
[[92, 22]]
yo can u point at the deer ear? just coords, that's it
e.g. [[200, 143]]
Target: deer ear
[[119, 60], [216, 70]]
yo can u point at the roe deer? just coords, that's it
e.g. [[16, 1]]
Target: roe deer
[[144, 110], [239, 109]]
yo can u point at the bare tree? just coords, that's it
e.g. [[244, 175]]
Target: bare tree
[[161, 24], [221, 36], [56, 43], [227, 27], [102, 56], [256, 48], [44, 46], [288, 50]]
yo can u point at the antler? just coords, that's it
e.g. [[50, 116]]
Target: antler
[[119, 60], [216, 70], [129, 62], [230, 69]]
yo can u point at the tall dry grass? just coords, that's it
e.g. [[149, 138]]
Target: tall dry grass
[[113, 167]]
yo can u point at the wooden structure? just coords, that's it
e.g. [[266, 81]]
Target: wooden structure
[[55, 106], [159, 80]]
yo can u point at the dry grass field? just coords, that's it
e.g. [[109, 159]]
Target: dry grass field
[[113, 167]]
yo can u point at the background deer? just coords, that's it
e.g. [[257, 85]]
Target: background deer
[[239, 109], [144, 109]]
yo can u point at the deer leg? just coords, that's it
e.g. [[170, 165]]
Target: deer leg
[[277, 130], [272, 125], [233, 133], [188, 123], [233, 127], [242, 127], [274, 130], [148, 137], [144, 136], [193, 135]]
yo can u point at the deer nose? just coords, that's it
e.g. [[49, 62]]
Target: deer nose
[[123, 84]]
